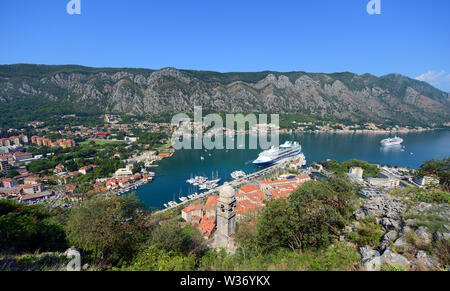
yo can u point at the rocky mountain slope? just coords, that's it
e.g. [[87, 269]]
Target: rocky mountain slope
[[415, 235], [390, 98]]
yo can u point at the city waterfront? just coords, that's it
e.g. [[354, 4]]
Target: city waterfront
[[172, 173]]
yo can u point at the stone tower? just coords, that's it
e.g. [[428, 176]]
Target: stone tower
[[226, 216]]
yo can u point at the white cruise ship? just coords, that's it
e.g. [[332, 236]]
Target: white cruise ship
[[275, 155], [391, 141]]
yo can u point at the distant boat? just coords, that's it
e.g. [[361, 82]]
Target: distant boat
[[237, 174]]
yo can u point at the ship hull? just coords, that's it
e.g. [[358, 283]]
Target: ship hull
[[276, 161], [392, 143]]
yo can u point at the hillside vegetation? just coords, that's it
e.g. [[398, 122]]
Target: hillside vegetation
[[323, 225]]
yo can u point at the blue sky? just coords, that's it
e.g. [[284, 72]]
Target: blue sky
[[410, 37]]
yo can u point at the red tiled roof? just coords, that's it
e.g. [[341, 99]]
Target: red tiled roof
[[22, 154], [212, 201], [256, 197], [287, 187], [249, 188], [192, 208], [280, 181], [29, 186], [34, 196], [26, 175], [207, 225], [245, 206], [70, 187], [125, 180], [275, 193]]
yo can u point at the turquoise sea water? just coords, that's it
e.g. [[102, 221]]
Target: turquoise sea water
[[172, 173]]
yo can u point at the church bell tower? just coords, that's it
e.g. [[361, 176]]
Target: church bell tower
[[226, 215]]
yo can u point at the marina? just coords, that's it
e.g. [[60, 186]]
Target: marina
[[244, 179]]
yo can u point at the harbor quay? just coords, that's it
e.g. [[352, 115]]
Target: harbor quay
[[247, 179]]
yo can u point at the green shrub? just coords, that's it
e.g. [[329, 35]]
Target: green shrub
[[156, 258], [431, 196], [338, 257], [390, 268], [26, 228], [367, 234]]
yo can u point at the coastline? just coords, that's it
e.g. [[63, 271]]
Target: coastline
[[362, 131]]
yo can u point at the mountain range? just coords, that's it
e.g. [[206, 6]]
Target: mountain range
[[391, 98]]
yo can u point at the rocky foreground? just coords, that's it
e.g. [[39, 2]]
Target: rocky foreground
[[414, 235]]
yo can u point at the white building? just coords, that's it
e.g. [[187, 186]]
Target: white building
[[123, 173], [384, 181], [356, 171], [426, 180]]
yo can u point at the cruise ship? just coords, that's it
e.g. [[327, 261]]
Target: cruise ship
[[391, 141], [275, 155]]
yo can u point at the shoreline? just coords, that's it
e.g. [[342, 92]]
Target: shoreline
[[362, 131]]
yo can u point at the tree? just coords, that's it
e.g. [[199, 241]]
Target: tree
[[171, 237], [29, 228], [311, 216], [342, 168], [12, 174], [108, 228], [246, 234]]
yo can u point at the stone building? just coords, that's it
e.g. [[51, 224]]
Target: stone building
[[226, 217], [384, 181]]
